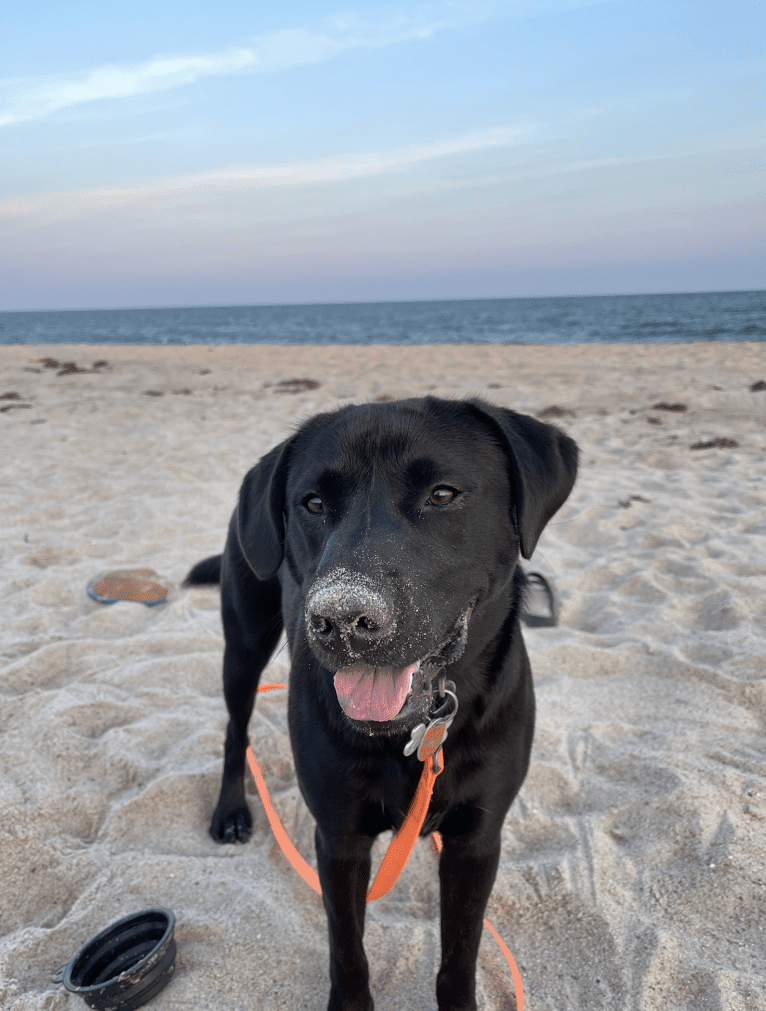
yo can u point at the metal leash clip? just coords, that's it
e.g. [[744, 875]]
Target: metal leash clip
[[427, 738]]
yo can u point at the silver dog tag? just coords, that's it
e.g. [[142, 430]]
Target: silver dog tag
[[416, 736]]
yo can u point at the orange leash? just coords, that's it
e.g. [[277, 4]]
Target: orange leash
[[399, 849], [401, 846]]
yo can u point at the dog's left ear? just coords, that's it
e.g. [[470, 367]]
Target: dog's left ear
[[543, 468]]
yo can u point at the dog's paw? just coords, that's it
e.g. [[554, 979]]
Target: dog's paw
[[232, 826]]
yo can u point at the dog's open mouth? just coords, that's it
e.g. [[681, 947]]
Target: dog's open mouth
[[376, 696], [373, 693]]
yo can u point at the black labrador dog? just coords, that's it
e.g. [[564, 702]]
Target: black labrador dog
[[386, 538]]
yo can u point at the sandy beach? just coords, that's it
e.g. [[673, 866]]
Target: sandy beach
[[633, 874]]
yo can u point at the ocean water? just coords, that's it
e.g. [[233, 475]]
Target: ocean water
[[714, 316]]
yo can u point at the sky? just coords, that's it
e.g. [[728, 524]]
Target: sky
[[199, 153]]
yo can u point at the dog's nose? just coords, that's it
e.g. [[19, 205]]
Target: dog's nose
[[348, 609]]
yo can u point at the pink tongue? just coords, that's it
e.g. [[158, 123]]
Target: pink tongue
[[372, 693]]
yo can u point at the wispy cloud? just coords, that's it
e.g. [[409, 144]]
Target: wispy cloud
[[44, 97], [27, 99], [184, 188], [298, 46]]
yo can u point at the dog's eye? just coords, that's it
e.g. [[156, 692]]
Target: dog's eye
[[441, 496], [314, 505]]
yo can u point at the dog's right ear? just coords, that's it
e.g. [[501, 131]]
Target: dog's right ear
[[260, 514]]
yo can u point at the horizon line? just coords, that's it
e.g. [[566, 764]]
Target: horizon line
[[388, 301]]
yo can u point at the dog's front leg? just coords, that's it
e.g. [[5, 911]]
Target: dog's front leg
[[252, 624], [343, 863], [466, 875]]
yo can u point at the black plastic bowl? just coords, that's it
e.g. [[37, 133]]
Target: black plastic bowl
[[125, 965]]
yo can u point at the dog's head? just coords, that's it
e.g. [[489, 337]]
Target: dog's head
[[399, 522]]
